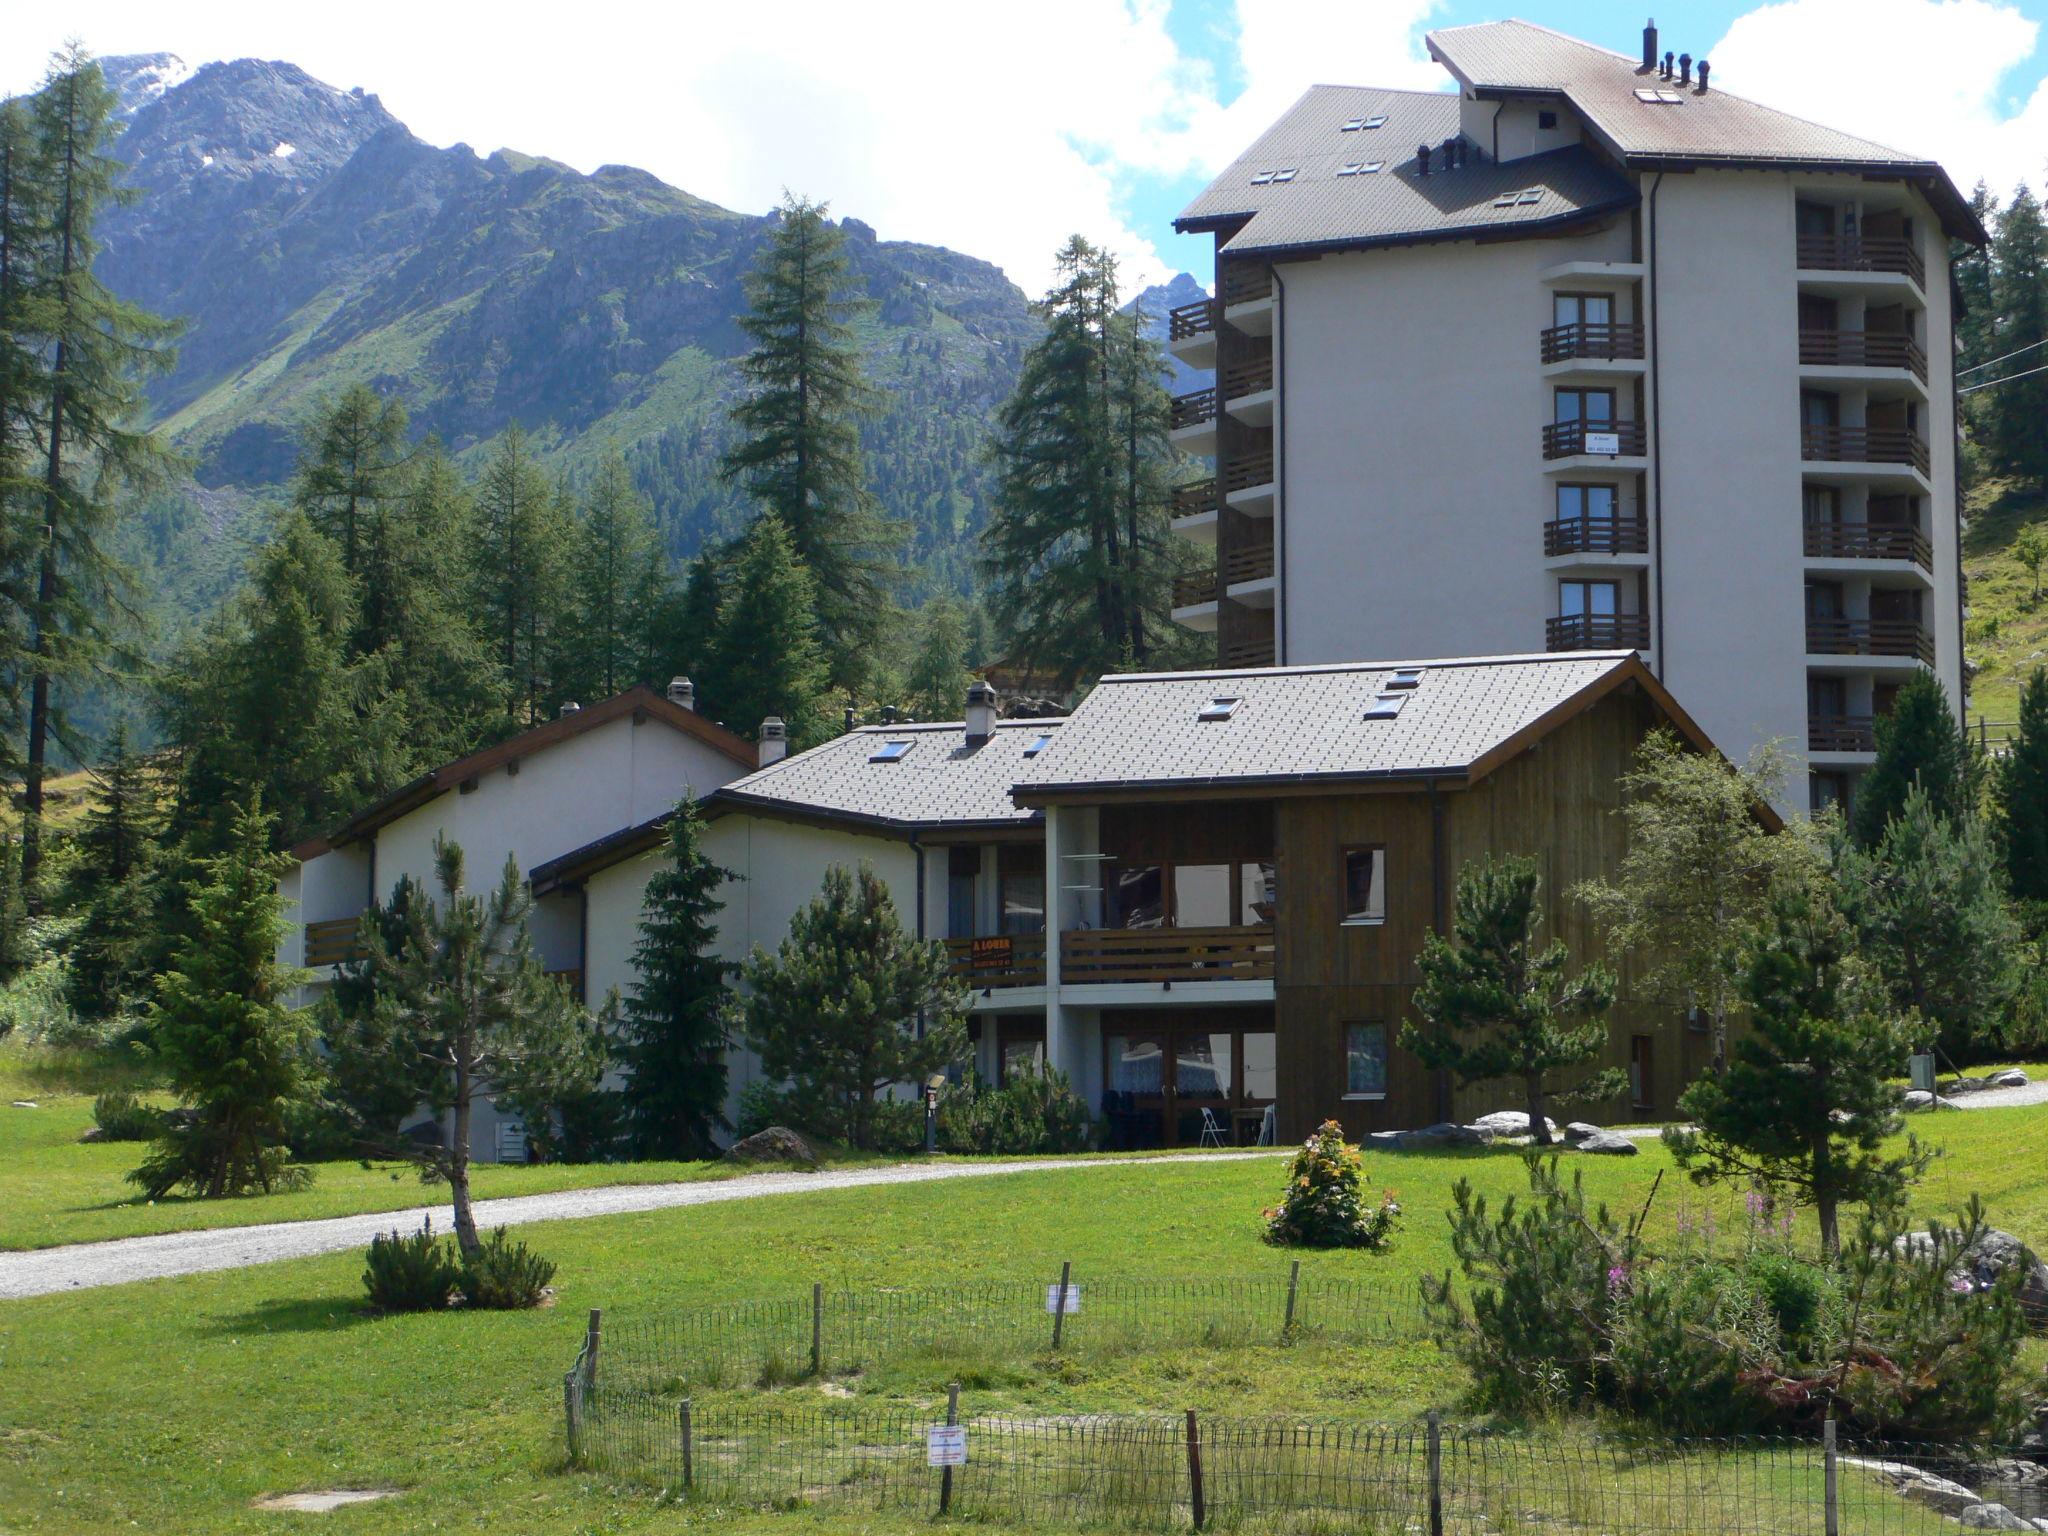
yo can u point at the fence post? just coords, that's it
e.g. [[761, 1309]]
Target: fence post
[[592, 1337], [1831, 1506], [571, 1417], [817, 1327], [1436, 1474], [683, 1427], [946, 1473], [1293, 1285], [1199, 1504], [1059, 1311]]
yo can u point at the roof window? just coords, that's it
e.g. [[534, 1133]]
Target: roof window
[[1377, 120], [1038, 746], [1522, 198], [1403, 678], [1222, 707], [1353, 126], [1286, 175], [1659, 98], [1260, 178], [890, 752], [1361, 168], [1385, 706]]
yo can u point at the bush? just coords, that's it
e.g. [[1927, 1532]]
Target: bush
[[1033, 1112], [1324, 1206], [504, 1276], [123, 1117], [411, 1273]]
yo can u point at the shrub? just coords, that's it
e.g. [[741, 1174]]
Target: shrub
[[414, 1272], [505, 1276], [1033, 1112], [1324, 1206], [123, 1117]]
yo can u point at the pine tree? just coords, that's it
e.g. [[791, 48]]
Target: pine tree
[[113, 882], [2030, 548], [675, 1019], [617, 583], [690, 621], [1920, 742], [799, 452], [1976, 323], [521, 532], [2019, 285], [97, 347], [352, 485], [1807, 1100], [936, 687], [1493, 1005], [2020, 794], [850, 1004], [235, 1054], [765, 658]]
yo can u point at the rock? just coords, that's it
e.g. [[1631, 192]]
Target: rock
[[324, 1500], [24, 1103], [1940, 1494], [1613, 1143], [2010, 1469], [1579, 1130], [1920, 1098], [92, 1133], [1993, 1517], [1510, 1122], [777, 1144], [2011, 1077], [1443, 1134], [1992, 1255]]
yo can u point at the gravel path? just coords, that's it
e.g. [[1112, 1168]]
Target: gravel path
[[44, 1271]]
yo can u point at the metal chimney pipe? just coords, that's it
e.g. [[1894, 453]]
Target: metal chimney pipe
[[1422, 159], [1650, 45], [682, 691], [1685, 69], [1703, 76], [774, 743]]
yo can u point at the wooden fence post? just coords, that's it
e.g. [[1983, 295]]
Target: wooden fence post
[[1199, 1504], [1436, 1474], [689, 1461], [571, 1417], [1293, 1285], [817, 1327], [592, 1337], [946, 1473], [1831, 1516], [1059, 1311]]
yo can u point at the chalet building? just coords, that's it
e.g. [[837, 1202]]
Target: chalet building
[[1585, 354]]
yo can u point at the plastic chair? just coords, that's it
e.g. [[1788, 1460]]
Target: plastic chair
[[1212, 1130], [1267, 1124]]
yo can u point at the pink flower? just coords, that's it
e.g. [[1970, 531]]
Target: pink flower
[[1961, 1285], [1617, 1280]]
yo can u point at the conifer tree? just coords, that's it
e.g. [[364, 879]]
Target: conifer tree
[[1920, 742], [2019, 284], [617, 583], [235, 1054], [1807, 1101], [850, 1004], [676, 1014], [1493, 1005], [1976, 323], [98, 347], [521, 532], [765, 658], [2020, 793], [936, 687], [690, 623], [352, 484], [23, 319], [2030, 548], [113, 880], [798, 451]]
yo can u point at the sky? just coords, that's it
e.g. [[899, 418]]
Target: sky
[[999, 127]]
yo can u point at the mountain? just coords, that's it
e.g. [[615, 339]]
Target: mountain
[[1156, 302]]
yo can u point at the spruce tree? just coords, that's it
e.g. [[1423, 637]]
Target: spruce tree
[[2020, 794], [690, 621], [798, 451], [521, 533], [676, 1014], [1807, 1101], [112, 882], [88, 397], [1920, 742], [936, 687], [850, 1005], [2019, 284], [237, 1057], [1493, 1005], [1976, 321], [352, 484], [617, 586], [765, 658]]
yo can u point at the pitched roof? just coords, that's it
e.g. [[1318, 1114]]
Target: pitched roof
[[639, 699]]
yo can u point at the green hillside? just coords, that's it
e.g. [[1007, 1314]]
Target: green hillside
[[2006, 634]]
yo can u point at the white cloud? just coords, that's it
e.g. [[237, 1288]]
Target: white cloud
[[1924, 76]]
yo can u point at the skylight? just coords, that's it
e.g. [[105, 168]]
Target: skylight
[[1361, 167], [1353, 126], [1385, 706], [1038, 746], [1524, 197], [1659, 98], [890, 752], [1404, 677], [1286, 175], [1221, 707], [1377, 120]]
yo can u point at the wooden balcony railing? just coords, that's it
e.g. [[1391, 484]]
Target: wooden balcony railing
[[1864, 445], [1249, 653], [1195, 587], [332, 942], [1862, 349], [1609, 341], [1248, 562], [1597, 632], [1597, 536], [1248, 378], [1869, 541], [1562, 439], [1246, 283], [1000, 960], [1166, 954], [1869, 637], [1186, 321], [1195, 498], [1191, 410], [1841, 733], [1248, 470], [1861, 253]]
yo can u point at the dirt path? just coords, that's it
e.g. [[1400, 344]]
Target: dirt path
[[45, 1271]]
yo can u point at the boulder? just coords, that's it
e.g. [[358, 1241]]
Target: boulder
[[1510, 1122], [24, 1103], [1993, 1517], [1938, 1493], [1579, 1130], [1443, 1134], [1990, 1256], [2011, 1470], [777, 1144], [93, 1133], [1920, 1098], [2011, 1077], [1613, 1143]]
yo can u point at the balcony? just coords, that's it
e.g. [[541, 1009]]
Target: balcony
[[333, 942], [1607, 439], [1591, 341], [1249, 653], [1195, 499], [1861, 253], [1596, 536], [1194, 410], [1194, 589], [1863, 445], [1246, 283], [1597, 632], [1868, 541], [1248, 483], [1191, 332], [1248, 391], [1869, 637], [1862, 349], [999, 960], [1166, 954], [1248, 562], [1841, 733]]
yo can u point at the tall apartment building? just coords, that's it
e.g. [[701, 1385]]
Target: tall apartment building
[[1589, 354]]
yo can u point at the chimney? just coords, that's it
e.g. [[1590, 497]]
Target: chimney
[[568, 709], [1665, 72], [852, 719], [1450, 153], [774, 744], [1703, 77], [1422, 159], [981, 713], [1685, 69], [888, 714], [1649, 45], [682, 691]]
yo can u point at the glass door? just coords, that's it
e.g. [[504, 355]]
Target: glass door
[[1203, 1064], [1136, 1100]]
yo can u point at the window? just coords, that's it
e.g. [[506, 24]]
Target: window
[[1020, 1052], [1361, 168], [1546, 120], [1384, 706], [1524, 195], [1038, 745], [1353, 125], [890, 752], [1582, 309], [1365, 885], [1405, 679], [1593, 504], [1220, 708], [963, 869], [1201, 895], [1255, 893], [1261, 1067], [1827, 787], [1659, 98], [1365, 1061], [1020, 888], [1377, 120], [1594, 407], [1134, 895], [1639, 1079], [1260, 178], [1588, 599], [1286, 175]]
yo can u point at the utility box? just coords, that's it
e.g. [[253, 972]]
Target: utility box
[[1922, 1069]]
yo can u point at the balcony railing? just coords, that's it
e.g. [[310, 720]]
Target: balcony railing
[[1864, 445], [1861, 253], [332, 942], [1841, 733], [1191, 410], [1608, 341], [1187, 321], [999, 960], [1166, 954], [1869, 541], [1246, 283], [1597, 632], [1195, 587], [1248, 562], [1248, 378], [1869, 637], [1195, 498], [1248, 470], [1597, 536], [1563, 439], [1862, 349], [1249, 653]]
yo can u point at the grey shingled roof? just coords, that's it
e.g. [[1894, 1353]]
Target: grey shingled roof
[[941, 782], [1306, 723]]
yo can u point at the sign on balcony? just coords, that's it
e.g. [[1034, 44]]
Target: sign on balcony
[[1603, 442], [993, 952]]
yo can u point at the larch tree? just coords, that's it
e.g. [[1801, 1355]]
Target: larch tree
[[766, 658], [22, 302], [352, 483], [1921, 742], [2020, 797], [617, 585], [521, 533]]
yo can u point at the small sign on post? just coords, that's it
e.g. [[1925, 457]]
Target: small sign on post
[[945, 1445], [1920, 1067], [1062, 1298]]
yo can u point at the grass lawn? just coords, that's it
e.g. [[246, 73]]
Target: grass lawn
[[171, 1405]]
